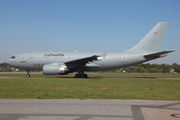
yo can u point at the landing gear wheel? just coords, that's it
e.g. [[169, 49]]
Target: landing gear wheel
[[84, 76], [27, 75], [77, 76], [81, 76]]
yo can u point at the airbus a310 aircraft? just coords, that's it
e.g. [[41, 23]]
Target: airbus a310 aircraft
[[61, 63]]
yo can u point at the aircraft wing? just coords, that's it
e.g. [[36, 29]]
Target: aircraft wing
[[81, 61], [157, 55]]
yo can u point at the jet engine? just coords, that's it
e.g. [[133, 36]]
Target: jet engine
[[55, 69]]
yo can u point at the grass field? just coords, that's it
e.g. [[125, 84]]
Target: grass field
[[97, 86]]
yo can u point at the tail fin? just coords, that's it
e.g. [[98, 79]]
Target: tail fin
[[152, 41]]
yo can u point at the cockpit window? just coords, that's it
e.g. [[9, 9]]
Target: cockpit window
[[13, 57]]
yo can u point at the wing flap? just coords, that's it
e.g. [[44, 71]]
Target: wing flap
[[81, 61]]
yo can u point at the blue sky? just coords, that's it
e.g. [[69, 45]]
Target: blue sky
[[86, 25]]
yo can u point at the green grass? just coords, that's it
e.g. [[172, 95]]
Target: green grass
[[95, 87], [126, 75]]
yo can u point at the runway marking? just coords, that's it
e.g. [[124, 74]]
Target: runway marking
[[139, 112]]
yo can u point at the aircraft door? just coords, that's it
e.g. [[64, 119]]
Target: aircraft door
[[23, 58], [124, 57]]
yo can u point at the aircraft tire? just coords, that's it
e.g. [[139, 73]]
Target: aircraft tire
[[81, 76], [28, 76], [77, 76], [84, 76]]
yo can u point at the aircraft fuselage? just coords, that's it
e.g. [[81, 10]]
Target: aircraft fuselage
[[36, 61]]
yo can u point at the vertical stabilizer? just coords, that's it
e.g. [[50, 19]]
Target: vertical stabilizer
[[152, 41]]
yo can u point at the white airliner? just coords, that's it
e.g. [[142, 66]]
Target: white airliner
[[61, 63]]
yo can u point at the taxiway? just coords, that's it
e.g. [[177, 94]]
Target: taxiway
[[74, 109]]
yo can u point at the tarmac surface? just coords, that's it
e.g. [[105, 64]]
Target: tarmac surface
[[75, 109]]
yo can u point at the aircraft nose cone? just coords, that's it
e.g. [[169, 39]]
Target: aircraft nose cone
[[7, 61]]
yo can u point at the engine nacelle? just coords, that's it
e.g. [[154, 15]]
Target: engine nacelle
[[55, 69]]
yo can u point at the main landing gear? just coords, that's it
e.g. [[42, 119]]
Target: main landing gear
[[81, 76], [27, 75]]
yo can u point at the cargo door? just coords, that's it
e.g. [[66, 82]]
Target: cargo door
[[124, 57], [23, 58]]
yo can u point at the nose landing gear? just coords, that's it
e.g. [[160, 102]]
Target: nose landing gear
[[27, 75]]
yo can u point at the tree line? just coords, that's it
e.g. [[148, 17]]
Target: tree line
[[151, 68]]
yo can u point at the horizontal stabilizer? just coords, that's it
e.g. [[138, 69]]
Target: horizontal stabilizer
[[157, 55]]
